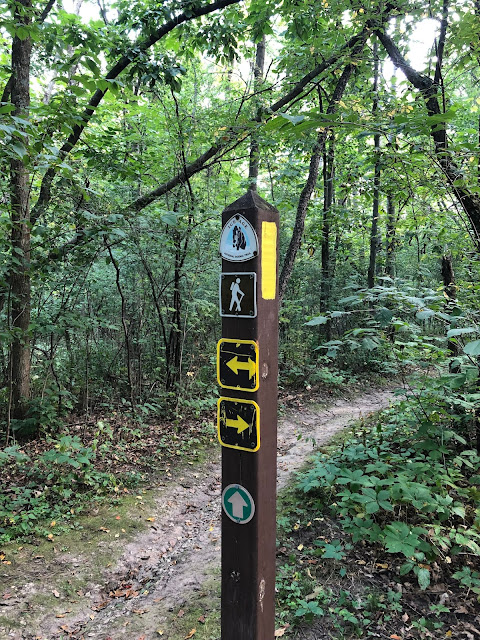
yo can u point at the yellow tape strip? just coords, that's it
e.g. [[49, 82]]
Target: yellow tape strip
[[269, 260]]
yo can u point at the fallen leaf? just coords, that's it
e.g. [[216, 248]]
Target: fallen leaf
[[104, 529], [181, 613], [160, 632], [191, 634], [53, 523], [55, 593], [395, 637], [150, 519], [381, 566], [50, 536], [281, 631], [300, 547], [202, 619]]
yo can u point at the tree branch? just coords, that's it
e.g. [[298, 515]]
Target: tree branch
[[141, 46], [233, 136], [438, 131]]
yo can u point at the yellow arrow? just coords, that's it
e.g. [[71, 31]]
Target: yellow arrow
[[238, 423], [236, 365]]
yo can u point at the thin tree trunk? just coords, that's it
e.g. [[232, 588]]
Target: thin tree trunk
[[450, 293], [20, 236], [328, 196], [254, 145], [390, 237], [376, 180], [126, 335]]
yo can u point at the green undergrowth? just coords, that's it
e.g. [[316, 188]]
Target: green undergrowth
[[56, 478], [399, 495]]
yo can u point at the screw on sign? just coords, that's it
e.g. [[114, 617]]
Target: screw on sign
[[247, 416]]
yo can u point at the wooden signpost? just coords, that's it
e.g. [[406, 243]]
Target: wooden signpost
[[247, 367]]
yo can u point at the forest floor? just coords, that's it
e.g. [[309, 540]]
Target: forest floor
[[148, 566]]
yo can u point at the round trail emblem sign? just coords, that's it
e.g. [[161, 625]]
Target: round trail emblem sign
[[238, 241], [238, 504]]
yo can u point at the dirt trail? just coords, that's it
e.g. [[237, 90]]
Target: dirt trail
[[67, 595]]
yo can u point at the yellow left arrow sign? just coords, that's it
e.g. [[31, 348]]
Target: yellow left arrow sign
[[236, 365], [238, 423]]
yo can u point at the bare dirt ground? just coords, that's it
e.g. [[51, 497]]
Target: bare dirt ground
[[123, 579]]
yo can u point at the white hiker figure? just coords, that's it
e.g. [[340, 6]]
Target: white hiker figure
[[237, 295]]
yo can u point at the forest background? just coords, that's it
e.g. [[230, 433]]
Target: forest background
[[126, 128]]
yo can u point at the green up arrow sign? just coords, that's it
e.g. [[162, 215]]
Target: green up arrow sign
[[238, 504]]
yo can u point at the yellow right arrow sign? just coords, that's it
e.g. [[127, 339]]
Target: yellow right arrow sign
[[238, 423], [237, 365]]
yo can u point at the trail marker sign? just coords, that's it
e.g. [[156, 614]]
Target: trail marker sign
[[238, 295], [238, 424], [238, 242], [237, 364], [247, 365], [238, 504]]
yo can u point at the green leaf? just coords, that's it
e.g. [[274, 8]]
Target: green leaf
[[423, 577], [316, 321], [472, 348], [293, 119], [460, 332]]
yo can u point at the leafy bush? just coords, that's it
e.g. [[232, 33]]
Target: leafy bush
[[411, 482], [46, 487]]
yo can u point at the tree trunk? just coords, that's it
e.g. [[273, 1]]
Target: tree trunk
[[19, 279], [328, 195], [254, 146], [376, 181], [390, 236], [450, 293]]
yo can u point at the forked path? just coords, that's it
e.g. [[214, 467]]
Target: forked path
[[159, 569]]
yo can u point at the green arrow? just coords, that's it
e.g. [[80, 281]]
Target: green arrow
[[236, 365], [238, 423]]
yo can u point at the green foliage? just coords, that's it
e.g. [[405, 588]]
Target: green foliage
[[62, 476], [409, 483]]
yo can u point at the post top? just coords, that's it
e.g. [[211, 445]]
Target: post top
[[251, 200]]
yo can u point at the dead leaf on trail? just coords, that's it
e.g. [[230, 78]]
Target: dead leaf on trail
[[281, 631], [380, 565], [202, 619], [191, 634], [150, 519], [140, 612], [395, 637], [181, 613], [55, 593], [160, 632], [104, 529]]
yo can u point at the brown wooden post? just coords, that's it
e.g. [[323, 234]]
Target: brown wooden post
[[247, 368]]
